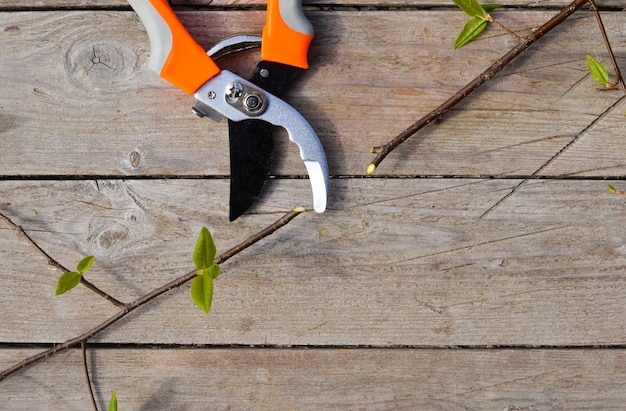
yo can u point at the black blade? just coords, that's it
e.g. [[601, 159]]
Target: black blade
[[251, 141], [250, 162]]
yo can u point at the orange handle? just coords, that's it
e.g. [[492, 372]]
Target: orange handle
[[174, 54], [287, 33]]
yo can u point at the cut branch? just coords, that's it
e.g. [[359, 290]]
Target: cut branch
[[618, 75], [383, 151], [128, 308], [83, 348], [56, 264]]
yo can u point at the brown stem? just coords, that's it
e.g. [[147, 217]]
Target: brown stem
[[101, 293], [618, 75], [281, 222], [83, 347], [55, 263], [382, 151], [505, 28], [128, 308]]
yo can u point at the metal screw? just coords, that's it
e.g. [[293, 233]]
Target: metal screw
[[211, 94], [234, 91], [265, 73]]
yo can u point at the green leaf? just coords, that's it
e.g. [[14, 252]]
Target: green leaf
[[67, 281], [473, 8], [202, 291], [85, 264], [203, 257], [470, 31], [204, 252], [598, 71], [113, 402], [612, 189], [213, 271], [491, 7]]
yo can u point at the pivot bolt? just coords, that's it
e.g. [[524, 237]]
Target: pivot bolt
[[253, 102]]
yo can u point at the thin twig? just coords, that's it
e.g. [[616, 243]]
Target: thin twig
[[83, 347], [56, 264], [51, 261], [554, 157], [281, 222], [618, 75], [577, 136], [128, 308], [383, 151], [100, 292], [505, 28]]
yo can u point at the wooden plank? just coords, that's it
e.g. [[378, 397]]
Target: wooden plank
[[50, 4], [595, 153], [372, 74], [393, 262], [400, 262], [315, 379]]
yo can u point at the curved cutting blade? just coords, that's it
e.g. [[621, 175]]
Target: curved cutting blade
[[251, 141], [251, 147], [216, 96]]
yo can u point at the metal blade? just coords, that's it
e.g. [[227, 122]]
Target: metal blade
[[251, 141], [228, 95], [250, 162]]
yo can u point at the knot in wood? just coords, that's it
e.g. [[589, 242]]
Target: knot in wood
[[119, 220], [92, 65], [135, 158], [112, 239]]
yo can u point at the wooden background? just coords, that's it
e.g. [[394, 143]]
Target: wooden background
[[448, 281]]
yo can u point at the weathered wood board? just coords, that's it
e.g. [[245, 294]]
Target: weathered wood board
[[449, 281], [327, 379], [394, 262], [37, 4], [80, 117]]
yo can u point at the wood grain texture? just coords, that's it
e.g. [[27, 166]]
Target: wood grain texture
[[393, 262], [39, 4], [96, 104], [449, 283], [322, 379]]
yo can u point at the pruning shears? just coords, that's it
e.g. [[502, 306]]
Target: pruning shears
[[251, 106]]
